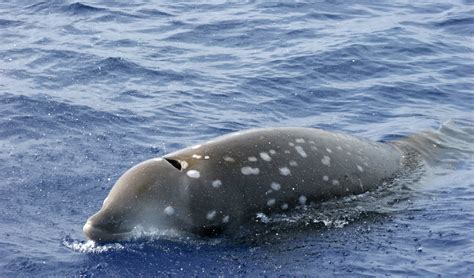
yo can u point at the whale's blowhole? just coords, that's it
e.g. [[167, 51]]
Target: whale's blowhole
[[175, 163]]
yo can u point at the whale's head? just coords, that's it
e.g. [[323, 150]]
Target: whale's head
[[146, 196]]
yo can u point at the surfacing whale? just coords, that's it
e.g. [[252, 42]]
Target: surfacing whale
[[222, 183]]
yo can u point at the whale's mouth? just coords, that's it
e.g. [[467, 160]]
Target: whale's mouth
[[101, 235]]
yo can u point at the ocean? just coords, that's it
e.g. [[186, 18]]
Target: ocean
[[89, 89]]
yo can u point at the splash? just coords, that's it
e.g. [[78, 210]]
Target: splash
[[91, 247]]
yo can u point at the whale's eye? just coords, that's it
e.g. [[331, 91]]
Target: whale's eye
[[176, 164]]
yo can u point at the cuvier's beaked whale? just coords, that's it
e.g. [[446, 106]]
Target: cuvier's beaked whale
[[224, 182]]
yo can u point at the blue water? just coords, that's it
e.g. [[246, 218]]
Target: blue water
[[88, 89]]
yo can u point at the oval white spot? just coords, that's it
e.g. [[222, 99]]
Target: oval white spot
[[272, 152], [265, 156], [169, 210], [328, 150], [287, 152], [207, 157], [291, 144], [325, 178], [300, 140], [300, 151], [225, 219], [193, 174], [293, 163], [211, 214], [184, 164], [217, 183], [335, 182], [326, 160], [360, 168], [284, 171], [284, 206], [228, 159], [302, 199], [197, 156], [252, 158], [271, 202], [246, 170], [275, 186], [339, 148]]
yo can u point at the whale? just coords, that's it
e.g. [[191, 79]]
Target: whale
[[221, 184]]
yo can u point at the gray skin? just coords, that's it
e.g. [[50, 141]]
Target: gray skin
[[222, 183]]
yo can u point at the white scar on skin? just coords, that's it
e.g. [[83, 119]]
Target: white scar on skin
[[228, 159], [265, 156], [211, 214], [193, 174], [217, 183], [246, 170], [169, 210], [284, 171], [326, 160], [275, 186], [300, 151]]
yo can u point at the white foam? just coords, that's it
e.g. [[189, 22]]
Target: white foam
[[284, 171], [247, 170], [326, 160], [217, 183], [169, 210], [275, 186], [265, 156], [301, 151], [92, 247], [193, 174]]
